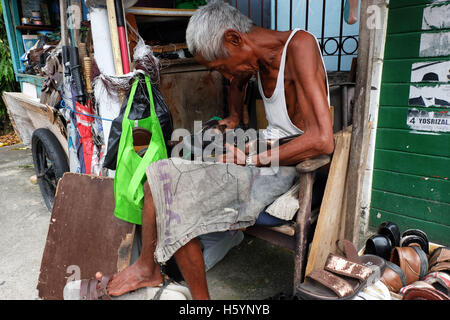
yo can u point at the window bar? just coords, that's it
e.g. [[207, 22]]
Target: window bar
[[249, 9], [307, 15], [290, 14], [340, 46], [322, 40], [276, 14], [262, 13]]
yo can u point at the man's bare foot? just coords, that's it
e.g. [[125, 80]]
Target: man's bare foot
[[132, 278]]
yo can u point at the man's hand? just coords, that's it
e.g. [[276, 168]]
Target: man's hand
[[231, 122], [233, 155]]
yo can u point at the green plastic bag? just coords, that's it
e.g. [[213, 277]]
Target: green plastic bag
[[130, 173]]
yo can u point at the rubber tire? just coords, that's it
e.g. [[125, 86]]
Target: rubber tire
[[44, 140]]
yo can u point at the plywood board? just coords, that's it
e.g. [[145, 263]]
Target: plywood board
[[193, 96], [329, 222], [84, 236], [28, 114]]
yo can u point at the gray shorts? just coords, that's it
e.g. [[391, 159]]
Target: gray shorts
[[196, 198]]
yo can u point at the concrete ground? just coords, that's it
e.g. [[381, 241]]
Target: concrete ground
[[253, 270]]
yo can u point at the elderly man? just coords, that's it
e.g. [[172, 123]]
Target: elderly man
[[293, 85]]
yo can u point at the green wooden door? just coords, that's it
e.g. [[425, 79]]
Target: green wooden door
[[411, 173]]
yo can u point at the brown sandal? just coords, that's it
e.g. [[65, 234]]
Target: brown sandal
[[440, 260], [89, 289], [421, 293], [412, 261], [341, 279]]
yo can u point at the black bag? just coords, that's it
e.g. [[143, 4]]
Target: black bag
[[140, 109]]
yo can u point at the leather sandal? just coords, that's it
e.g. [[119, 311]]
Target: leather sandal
[[379, 245], [434, 283], [393, 277], [91, 290], [417, 236], [440, 260], [341, 279], [392, 231], [376, 263], [417, 293], [439, 280], [412, 261]]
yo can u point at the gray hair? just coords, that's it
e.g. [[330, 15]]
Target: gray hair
[[204, 34]]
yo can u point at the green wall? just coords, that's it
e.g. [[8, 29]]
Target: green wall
[[411, 174]]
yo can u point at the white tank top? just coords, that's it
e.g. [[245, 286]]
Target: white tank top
[[280, 125]]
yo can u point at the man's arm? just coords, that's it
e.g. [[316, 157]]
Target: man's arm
[[310, 88], [236, 97]]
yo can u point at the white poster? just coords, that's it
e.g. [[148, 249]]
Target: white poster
[[436, 17], [430, 71], [435, 44], [436, 121], [427, 96], [436, 94]]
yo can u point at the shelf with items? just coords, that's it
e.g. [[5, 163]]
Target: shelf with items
[[35, 27]]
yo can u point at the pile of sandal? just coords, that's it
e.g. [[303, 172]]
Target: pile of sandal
[[393, 266], [346, 277], [412, 272]]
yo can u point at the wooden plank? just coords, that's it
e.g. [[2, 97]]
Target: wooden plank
[[411, 163], [84, 236], [415, 186], [311, 165], [169, 47], [328, 223], [165, 12], [272, 236], [114, 37], [371, 42], [193, 96], [35, 27], [63, 21], [410, 141], [413, 207], [436, 232], [28, 114]]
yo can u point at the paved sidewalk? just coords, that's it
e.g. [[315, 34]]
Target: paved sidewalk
[[24, 222], [252, 270]]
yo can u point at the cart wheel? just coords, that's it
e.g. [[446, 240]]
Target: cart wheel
[[49, 163]]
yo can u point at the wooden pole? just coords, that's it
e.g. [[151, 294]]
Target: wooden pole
[[114, 37], [76, 30], [63, 19], [361, 128]]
